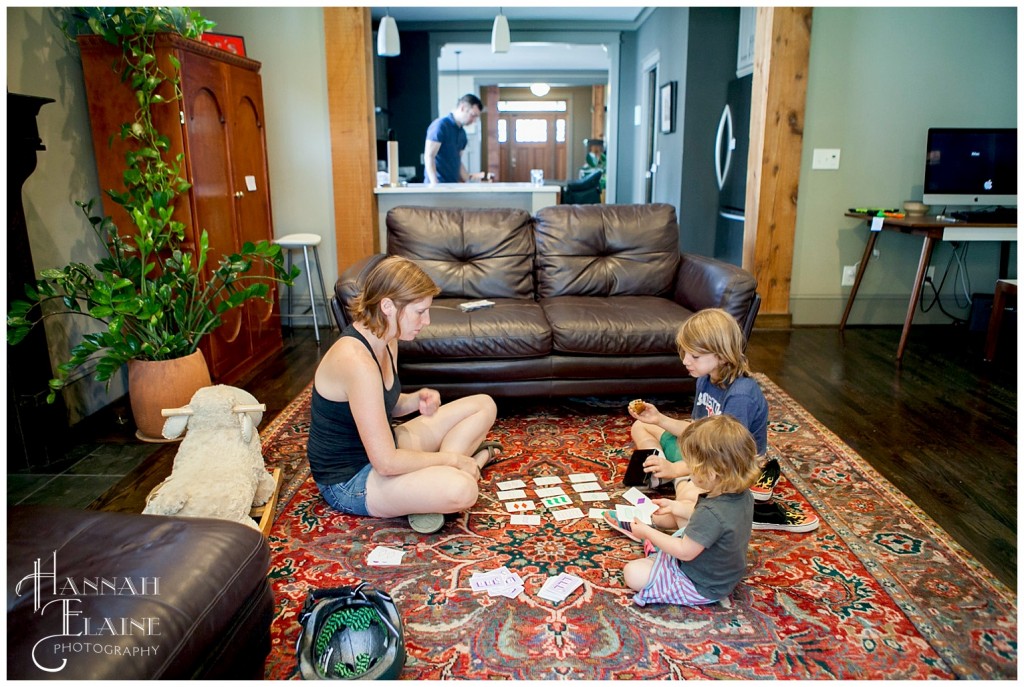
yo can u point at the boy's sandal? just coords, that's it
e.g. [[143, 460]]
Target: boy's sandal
[[619, 526], [492, 448]]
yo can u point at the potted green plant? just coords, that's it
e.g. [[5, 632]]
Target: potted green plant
[[154, 293]]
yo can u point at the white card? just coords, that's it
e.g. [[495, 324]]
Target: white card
[[525, 519], [383, 555], [635, 496], [625, 513], [553, 501], [547, 481], [586, 486], [511, 484], [520, 506], [559, 587], [876, 223], [550, 491], [567, 514], [598, 513], [645, 510], [583, 477], [594, 496], [250, 182], [511, 494]]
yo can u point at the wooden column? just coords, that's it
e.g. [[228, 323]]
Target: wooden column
[[348, 38], [781, 59]]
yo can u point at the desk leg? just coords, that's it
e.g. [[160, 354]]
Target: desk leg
[[922, 268], [995, 322], [872, 237]]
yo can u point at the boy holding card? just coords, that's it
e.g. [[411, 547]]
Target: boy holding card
[[704, 562], [711, 345]]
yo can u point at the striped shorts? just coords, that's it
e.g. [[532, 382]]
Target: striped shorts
[[669, 584]]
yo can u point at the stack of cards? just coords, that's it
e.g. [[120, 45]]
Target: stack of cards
[[498, 582], [559, 587], [382, 555]]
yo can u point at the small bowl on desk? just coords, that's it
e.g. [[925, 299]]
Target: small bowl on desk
[[916, 208]]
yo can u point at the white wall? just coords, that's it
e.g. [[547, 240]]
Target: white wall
[[878, 79]]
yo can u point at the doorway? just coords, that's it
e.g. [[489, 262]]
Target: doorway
[[650, 87], [528, 141]]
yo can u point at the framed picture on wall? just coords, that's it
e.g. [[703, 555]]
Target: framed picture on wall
[[668, 107]]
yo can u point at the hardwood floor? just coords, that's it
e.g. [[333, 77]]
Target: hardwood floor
[[942, 427]]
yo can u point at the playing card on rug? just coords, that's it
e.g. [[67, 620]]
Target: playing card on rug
[[594, 496], [495, 582], [582, 477], [511, 494], [553, 501], [383, 555], [520, 506], [598, 513], [511, 484], [559, 587], [525, 519], [550, 491], [586, 486], [547, 481], [567, 514]]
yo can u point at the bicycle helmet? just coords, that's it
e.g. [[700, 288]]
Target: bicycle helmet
[[350, 633]]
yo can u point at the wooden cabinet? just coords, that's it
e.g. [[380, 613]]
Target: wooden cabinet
[[219, 129]]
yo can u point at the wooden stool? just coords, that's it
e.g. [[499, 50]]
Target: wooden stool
[[1006, 294]]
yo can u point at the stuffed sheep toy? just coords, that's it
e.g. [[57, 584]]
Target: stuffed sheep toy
[[218, 471]]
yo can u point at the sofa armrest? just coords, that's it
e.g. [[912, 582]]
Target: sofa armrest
[[348, 286], [704, 282]]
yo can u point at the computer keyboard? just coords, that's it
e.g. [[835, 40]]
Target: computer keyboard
[[998, 215]]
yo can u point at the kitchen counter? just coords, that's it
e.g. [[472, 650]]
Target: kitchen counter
[[524, 196]]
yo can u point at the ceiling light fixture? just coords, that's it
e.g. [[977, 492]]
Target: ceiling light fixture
[[540, 89], [501, 40], [388, 44]]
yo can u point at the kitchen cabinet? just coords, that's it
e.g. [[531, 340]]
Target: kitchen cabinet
[[218, 127]]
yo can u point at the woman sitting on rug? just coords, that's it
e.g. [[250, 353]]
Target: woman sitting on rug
[[364, 464], [703, 562]]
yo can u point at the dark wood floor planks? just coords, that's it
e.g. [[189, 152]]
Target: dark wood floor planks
[[942, 427]]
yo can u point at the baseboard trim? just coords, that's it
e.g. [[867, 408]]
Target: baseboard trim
[[773, 321]]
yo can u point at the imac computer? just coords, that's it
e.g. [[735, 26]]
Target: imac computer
[[971, 167]]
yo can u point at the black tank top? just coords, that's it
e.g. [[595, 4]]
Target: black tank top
[[335, 451]]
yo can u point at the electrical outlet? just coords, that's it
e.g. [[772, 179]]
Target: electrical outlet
[[930, 274], [825, 158], [849, 275]]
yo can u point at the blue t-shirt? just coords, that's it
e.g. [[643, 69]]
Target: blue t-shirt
[[446, 131], [743, 399]]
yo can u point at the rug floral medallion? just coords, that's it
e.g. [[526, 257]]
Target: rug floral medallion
[[879, 591]]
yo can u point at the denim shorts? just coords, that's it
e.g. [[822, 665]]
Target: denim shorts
[[348, 497]]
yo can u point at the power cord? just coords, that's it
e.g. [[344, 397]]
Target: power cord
[[961, 273]]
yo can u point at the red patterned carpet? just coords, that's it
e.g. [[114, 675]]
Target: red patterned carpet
[[879, 591]]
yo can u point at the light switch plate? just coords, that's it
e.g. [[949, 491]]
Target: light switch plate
[[825, 158]]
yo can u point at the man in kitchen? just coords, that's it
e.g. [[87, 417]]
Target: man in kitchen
[[446, 139]]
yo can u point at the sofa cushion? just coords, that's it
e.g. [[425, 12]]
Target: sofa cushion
[[513, 328], [468, 253], [620, 325], [606, 250]]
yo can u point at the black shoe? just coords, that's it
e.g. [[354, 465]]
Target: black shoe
[[765, 484], [790, 517]]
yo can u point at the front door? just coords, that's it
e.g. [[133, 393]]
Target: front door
[[532, 140]]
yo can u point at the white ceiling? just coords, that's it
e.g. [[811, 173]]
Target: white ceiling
[[419, 12], [523, 57]]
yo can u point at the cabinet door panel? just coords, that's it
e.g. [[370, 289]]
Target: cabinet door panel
[[251, 177], [209, 150]]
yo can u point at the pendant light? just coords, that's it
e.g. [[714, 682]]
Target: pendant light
[[500, 38], [387, 37]]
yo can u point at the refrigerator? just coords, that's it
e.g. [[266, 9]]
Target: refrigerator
[[732, 142]]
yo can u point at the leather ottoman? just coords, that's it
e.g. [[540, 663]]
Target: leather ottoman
[[98, 595]]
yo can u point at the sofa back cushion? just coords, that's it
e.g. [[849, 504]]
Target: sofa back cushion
[[468, 253], [606, 250]]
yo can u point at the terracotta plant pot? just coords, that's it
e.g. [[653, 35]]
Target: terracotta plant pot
[[155, 385]]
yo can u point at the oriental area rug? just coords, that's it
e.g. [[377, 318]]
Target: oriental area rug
[[878, 591]]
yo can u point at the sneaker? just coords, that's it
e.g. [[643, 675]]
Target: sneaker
[[426, 523], [765, 484], [790, 517]]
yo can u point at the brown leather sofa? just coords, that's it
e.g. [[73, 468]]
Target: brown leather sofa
[[93, 595], [587, 299]]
